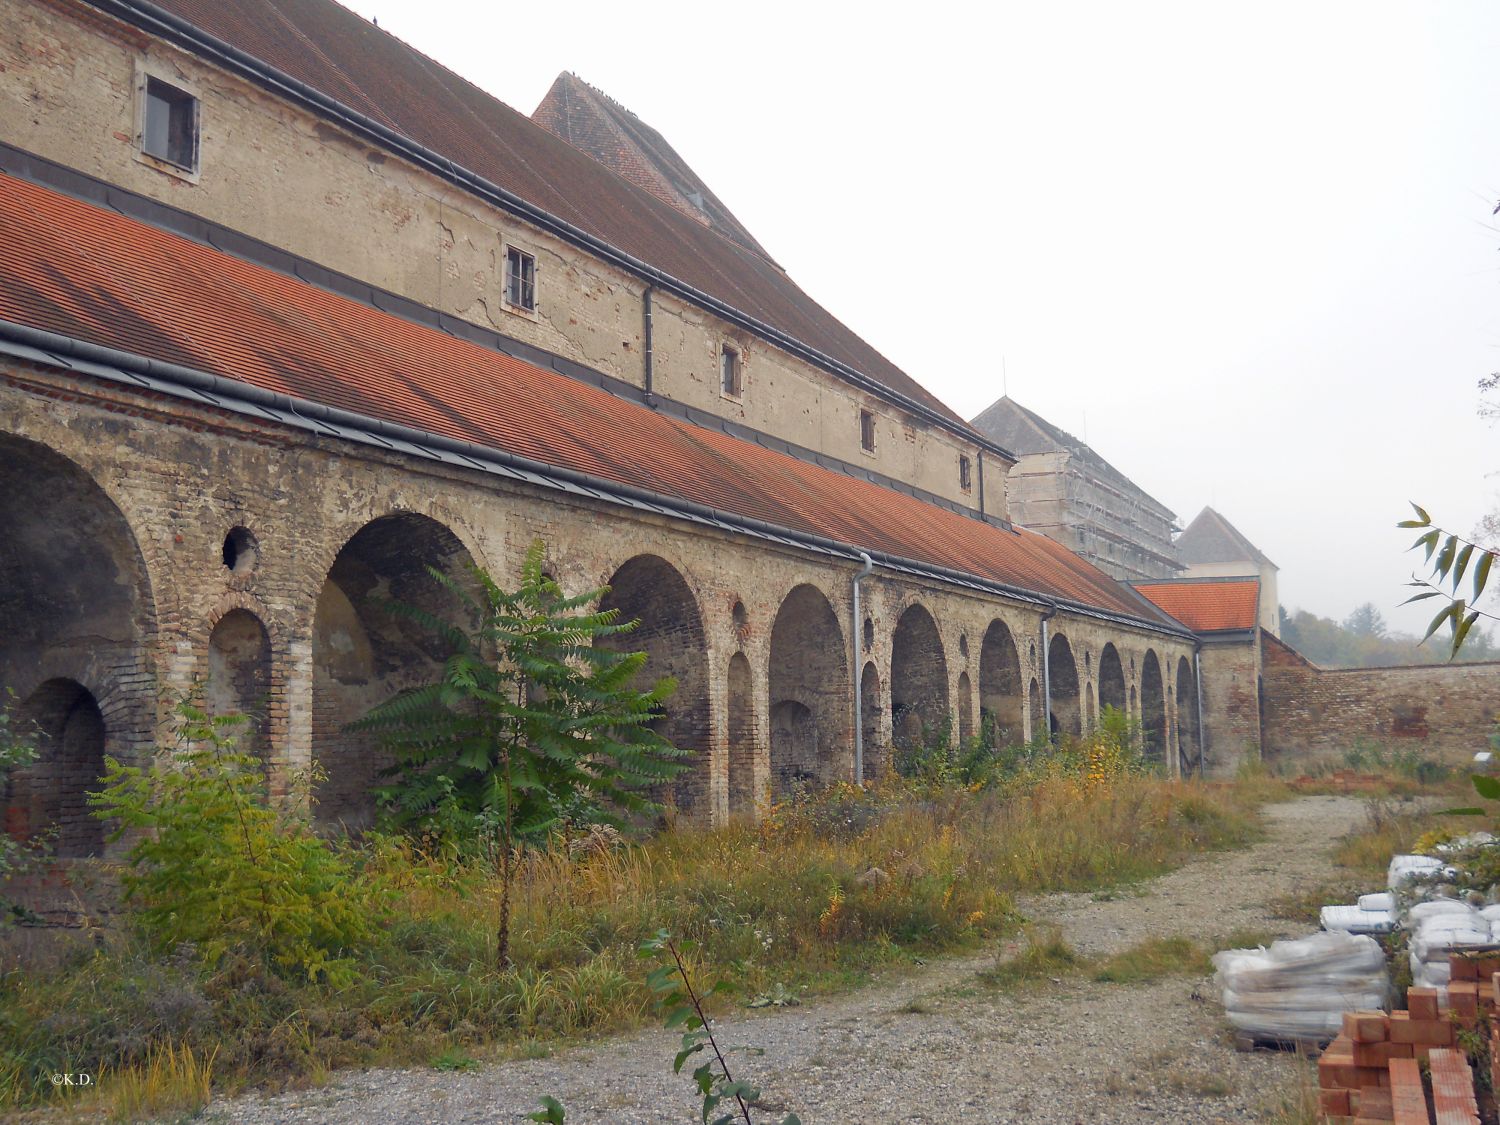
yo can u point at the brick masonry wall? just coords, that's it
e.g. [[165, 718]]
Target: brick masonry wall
[[175, 479], [1231, 705], [1449, 709]]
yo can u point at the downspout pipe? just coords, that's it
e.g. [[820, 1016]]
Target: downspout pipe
[[650, 356], [1046, 677], [1198, 691], [856, 633]]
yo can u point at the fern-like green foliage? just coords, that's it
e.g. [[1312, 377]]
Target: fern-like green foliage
[[531, 720], [217, 863]]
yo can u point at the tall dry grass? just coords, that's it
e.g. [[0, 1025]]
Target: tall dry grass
[[814, 897]]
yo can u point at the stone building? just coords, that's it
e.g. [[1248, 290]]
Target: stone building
[[1212, 547], [1062, 488], [289, 313]]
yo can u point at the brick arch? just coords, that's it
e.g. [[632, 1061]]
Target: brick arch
[[316, 559], [240, 670], [919, 677], [51, 794], [649, 589], [744, 743], [1188, 735], [1153, 708], [78, 592], [1065, 690], [877, 752], [1001, 699], [812, 737], [1111, 679], [363, 653]]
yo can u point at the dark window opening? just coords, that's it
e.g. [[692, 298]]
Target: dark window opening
[[730, 381], [965, 474], [520, 279], [171, 125], [239, 550], [866, 431]]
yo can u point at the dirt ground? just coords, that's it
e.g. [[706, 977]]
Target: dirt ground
[[938, 1044]]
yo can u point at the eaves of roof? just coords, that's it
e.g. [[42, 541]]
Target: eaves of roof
[[382, 90], [90, 290]]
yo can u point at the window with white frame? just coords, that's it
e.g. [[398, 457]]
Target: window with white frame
[[965, 473], [520, 279]]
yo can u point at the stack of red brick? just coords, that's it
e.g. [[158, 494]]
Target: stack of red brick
[[1371, 1072]]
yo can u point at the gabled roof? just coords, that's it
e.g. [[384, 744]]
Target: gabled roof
[[1024, 432], [93, 275], [1207, 605], [590, 120], [1210, 538], [380, 83]]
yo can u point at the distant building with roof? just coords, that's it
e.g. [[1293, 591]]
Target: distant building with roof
[[1061, 487], [1212, 547]]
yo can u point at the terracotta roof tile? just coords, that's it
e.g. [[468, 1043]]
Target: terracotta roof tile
[[74, 269], [1208, 605], [347, 58]]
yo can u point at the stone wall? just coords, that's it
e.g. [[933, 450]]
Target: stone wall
[[256, 556], [1449, 709], [1231, 705], [68, 93]]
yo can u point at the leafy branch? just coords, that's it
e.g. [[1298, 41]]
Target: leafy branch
[[1451, 558]]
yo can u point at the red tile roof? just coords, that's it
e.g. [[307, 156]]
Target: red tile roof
[[74, 269], [1208, 605], [345, 57]]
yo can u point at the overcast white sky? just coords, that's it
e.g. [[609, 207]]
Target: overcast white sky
[[1245, 249]]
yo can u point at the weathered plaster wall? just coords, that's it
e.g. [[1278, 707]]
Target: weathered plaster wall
[[1448, 709], [67, 92]]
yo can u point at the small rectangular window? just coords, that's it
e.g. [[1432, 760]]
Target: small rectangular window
[[965, 474], [170, 126], [520, 279], [729, 372], [867, 431]]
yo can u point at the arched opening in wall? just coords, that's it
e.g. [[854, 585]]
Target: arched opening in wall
[[1111, 679], [1000, 700], [1062, 675], [1038, 719], [51, 794], [877, 753], [652, 591], [1189, 750], [75, 599], [811, 737], [919, 679], [1153, 710], [965, 710], [239, 679], [364, 652], [742, 741]]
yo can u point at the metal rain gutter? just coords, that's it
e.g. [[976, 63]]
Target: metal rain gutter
[[155, 20], [55, 350]]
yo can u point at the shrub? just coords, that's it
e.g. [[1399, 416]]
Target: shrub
[[214, 863]]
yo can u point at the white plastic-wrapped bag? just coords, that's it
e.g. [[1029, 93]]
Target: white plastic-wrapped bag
[[1405, 868], [1438, 907], [1302, 988], [1355, 920], [1435, 937], [1383, 903]]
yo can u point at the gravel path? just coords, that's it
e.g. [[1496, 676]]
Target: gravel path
[[936, 1045]]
